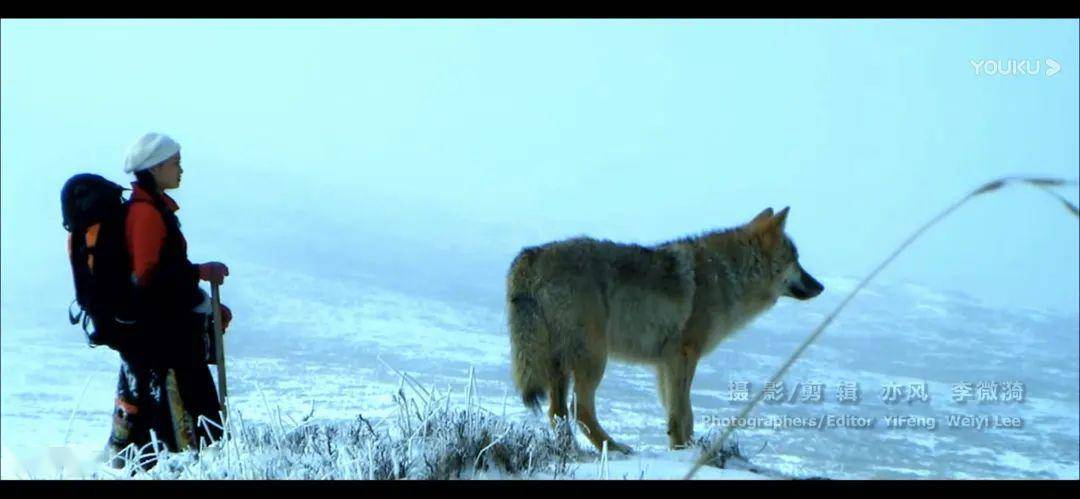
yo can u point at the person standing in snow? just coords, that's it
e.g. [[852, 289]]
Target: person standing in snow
[[165, 388]]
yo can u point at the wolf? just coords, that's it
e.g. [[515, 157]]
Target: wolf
[[572, 303]]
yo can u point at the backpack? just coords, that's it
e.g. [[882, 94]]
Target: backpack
[[94, 213]]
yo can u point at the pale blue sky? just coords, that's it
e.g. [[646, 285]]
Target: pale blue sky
[[427, 153]]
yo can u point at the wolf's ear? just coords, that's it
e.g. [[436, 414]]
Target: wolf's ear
[[761, 218], [781, 218], [772, 229]]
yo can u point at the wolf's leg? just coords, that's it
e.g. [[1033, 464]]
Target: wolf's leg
[[678, 373], [661, 385], [557, 402], [587, 375], [688, 415], [557, 408]]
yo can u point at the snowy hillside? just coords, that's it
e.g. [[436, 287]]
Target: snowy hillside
[[301, 343]]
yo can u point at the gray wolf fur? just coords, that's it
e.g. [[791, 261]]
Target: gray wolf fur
[[573, 303]]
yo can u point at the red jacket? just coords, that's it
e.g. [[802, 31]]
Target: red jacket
[[145, 232]]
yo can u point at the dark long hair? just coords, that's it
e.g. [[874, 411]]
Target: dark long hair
[[144, 179]]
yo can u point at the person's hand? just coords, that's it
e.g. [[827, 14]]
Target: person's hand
[[226, 317], [214, 272]]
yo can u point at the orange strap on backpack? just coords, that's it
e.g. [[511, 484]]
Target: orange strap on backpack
[[91, 241]]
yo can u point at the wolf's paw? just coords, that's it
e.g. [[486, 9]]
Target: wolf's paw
[[614, 446], [679, 444]]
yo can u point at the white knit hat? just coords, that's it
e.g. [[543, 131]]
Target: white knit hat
[[149, 151]]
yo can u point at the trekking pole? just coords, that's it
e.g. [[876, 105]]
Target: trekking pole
[[215, 299]]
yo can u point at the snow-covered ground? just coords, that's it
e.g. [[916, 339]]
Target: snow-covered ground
[[301, 342]]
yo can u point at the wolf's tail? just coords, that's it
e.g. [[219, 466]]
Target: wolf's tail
[[529, 335]]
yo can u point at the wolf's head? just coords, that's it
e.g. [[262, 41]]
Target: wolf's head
[[781, 260]]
